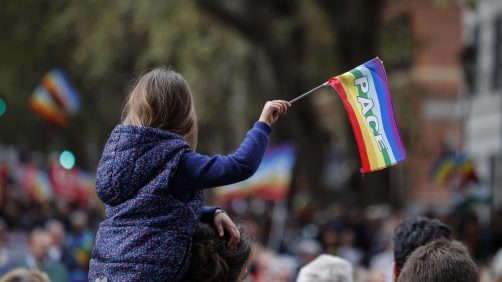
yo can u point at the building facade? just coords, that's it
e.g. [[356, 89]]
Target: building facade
[[483, 106]]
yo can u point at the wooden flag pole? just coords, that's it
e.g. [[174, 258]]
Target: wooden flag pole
[[307, 93]]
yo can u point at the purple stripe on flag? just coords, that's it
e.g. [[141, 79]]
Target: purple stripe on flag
[[392, 117]]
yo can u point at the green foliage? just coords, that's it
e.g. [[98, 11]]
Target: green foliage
[[395, 43], [234, 54]]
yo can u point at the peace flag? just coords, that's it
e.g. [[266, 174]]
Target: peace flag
[[366, 97]]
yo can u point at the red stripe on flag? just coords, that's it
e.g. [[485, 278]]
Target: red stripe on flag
[[335, 83]]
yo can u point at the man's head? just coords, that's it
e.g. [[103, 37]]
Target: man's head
[[40, 242], [57, 232], [78, 221], [412, 233], [440, 261], [326, 268]]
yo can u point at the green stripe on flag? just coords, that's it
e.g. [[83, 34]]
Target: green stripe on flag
[[358, 74]]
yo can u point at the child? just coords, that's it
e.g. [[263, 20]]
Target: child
[[151, 182]]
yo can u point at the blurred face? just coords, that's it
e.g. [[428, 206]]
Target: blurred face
[[57, 234], [347, 238], [330, 237], [39, 245], [282, 275]]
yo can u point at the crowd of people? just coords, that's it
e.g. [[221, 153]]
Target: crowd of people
[[376, 247], [58, 241], [156, 226], [423, 250], [43, 241]]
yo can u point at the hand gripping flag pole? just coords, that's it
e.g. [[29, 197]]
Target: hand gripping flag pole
[[308, 93]]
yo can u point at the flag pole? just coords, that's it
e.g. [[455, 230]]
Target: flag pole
[[308, 93]]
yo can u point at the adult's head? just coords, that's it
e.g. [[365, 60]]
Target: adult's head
[[212, 261], [412, 233], [440, 261], [40, 242], [79, 221], [57, 232], [326, 268], [24, 275]]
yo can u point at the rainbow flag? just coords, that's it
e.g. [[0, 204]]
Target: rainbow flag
[[271, 181], [35, 183], [42, 103], [57, 83], [366, 97], [451, 165], [55, 99]]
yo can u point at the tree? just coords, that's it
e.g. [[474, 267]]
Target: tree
[[234, 54]]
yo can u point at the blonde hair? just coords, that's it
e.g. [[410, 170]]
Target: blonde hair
[[162, 99], [24, 275]]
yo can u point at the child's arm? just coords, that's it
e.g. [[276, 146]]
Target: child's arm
[[197, 171]]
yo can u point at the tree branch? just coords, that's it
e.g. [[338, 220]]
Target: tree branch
[[246, 24]]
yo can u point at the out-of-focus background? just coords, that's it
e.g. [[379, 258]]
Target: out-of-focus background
[[443, 59]]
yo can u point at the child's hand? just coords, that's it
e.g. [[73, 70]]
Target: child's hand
[[273, 109], [223, 222]]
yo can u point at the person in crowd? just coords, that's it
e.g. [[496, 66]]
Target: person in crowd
[[326, 268], [440, 261], [6, 260], [212, 261], [38, 257], [24, 275], [347, 250], [152, 181], [80, 241], [412, 233], [58, 250], [261, 263], [282, 269], [307, 250]]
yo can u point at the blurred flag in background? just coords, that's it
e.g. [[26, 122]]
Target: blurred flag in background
[[271, 181], [55, 98]]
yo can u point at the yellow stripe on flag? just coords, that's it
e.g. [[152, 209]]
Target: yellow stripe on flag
[[374, 155]]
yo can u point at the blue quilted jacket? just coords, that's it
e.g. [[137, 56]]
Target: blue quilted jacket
[[151, 184]]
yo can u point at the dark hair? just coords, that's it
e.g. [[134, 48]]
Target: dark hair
[[212, 261], [440, 261], [412, 233]]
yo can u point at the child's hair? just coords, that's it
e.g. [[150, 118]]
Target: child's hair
[[162, 99]]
